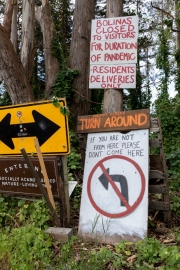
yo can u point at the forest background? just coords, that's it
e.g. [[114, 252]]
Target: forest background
[[45, 53]]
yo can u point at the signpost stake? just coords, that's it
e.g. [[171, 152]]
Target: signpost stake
[[66, 187], [31, 167], [43, 168]]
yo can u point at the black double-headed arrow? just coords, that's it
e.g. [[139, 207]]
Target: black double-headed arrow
[[116, 178], [42, 128]]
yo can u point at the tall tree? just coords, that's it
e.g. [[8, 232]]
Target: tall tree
[[12, 71], [27, 48], [15, 74], [79, 54], [43, 16], [14, 35], [139, 98], [113, 99]]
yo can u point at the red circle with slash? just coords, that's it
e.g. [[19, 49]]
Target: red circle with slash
[[129, 208]]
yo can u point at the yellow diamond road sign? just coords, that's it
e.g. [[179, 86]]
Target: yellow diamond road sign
[[20, 124]]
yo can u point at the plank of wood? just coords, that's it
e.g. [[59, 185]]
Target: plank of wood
[[154, 189], [155, 129], [155, 142], [155, 174], [166, 197], [156, 162], [164, 206], [154, 123], [66, 189], [43, 168]]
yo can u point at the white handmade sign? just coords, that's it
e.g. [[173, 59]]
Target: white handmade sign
[[114, 203], [114, 28], [112, 76], [113, 43]]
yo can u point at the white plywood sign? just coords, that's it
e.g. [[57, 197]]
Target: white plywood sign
[[114, 203], [112, 76], [114, 28], [113, 43]]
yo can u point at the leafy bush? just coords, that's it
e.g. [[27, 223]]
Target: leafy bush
[[14, 212], [25, 248]]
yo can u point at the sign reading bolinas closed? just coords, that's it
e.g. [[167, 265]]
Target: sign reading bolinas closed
[[137, 119]]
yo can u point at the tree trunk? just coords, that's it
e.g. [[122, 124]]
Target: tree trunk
[[27, 55], [12, 71], [8, 16], [113, 99], [114, 8], [14, 37], [43, 16], [177, 15], [79, 54]]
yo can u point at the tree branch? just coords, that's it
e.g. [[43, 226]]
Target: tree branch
[[168, 14]]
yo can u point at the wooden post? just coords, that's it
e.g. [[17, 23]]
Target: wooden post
[[113, 99], [66, 188], [31, 167], [167, 214], [43, 168]]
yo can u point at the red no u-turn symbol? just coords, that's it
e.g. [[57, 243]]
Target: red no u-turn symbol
[[107, 179]]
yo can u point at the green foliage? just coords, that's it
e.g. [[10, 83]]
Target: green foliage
[[67, 249], [23, 244], [177, 56], [147, 254], [36, 212], [140, 98], [63, 109], [62, 11], [25, 248], [173, 160], [5, 99], [56, 49], [62, 86], [148, 251], [175, 204], [177, 72], [38, 77], [38, 81], [168, 111], [168, 22], [74, 161], [162, 59], [97, 97], [152, 252]]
